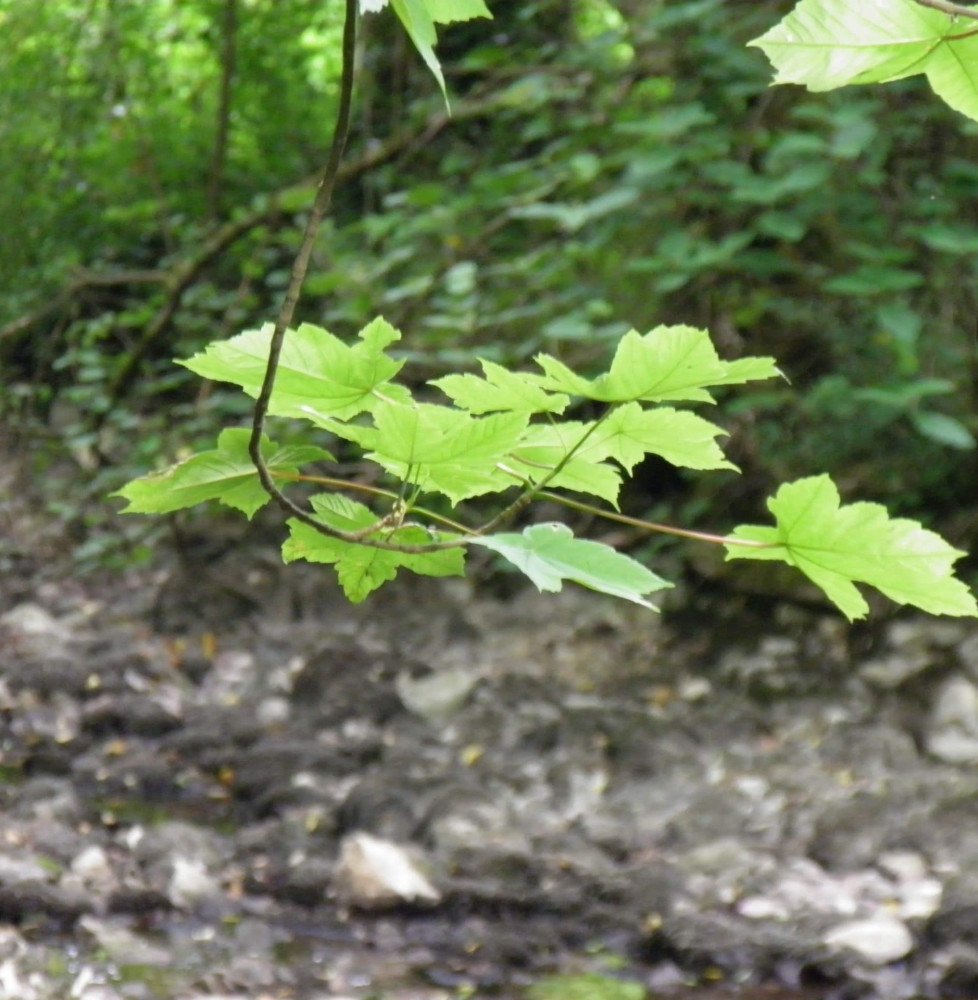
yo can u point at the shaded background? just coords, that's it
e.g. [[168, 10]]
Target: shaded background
[[608, 165]]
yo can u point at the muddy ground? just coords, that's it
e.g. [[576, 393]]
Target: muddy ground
[[738, 796]]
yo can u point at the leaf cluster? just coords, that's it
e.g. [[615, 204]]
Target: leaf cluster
[[505, 433]]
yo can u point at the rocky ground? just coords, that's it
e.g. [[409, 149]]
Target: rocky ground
[[219, 780]]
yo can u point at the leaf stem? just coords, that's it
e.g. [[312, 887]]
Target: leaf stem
[[534, 489], [377, 491], [946, 7], [665, 529]]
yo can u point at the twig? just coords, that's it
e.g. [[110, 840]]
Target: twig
[[324, 194], [665, 529], [946, 7], [270, 206], [533, 489], [223, 125], [81, 283]]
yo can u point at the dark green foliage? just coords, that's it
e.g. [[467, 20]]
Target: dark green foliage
[[629, 166]]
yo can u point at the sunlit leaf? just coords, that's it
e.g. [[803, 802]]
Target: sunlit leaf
[[439, 448], [669, 363], [225, 474], [361, 569], [587, 986], [499, 390], [317, 374], [450, 11], [825, 44], [837, 546], [549, 554], [544, 446], [629, 433]]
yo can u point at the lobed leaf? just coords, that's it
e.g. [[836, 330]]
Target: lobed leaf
[[669, 363], [439, 448], [361, 569], [837, 546], [544, 446], [549, 554], [225, 474], [629, 433], [501, 389], [318, 375], [419, 18], [824, 44]]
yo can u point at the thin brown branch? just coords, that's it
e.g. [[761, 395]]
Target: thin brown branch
[[81, 283], [946, 7], [268, 208], [229, 35], [377, 491], [324, 195], [178, 281], [665, 529]]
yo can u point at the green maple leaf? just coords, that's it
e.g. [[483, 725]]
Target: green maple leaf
[[499, 390], [439, 448], [667, 364], [838, 546], [419, 18], [225, 474], [317, 374], [362, 569], [629, 433], [544, 446], [549, 554], [825, 44]]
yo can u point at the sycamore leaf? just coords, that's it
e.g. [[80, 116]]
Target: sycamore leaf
[[549, 554], [450, 11], [361, 568], [420, 26], [825, 44], [838, 546], [438, 448], [317, 373], [668, 363], [629, 433], [499, 390], [419, 18], [225, 474], [544, 446]]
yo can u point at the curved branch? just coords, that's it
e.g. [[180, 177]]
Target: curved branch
[[324, 195]]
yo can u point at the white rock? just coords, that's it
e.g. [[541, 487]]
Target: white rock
[[953, 729], [903, 865], [763, 908], [879, 940], [191, 883], [31, 619], [920, 898], [273, 711], [92, 865], [16, 868], [378, 874], [12, 986], [695, 689], [121, 945], [439, 695]]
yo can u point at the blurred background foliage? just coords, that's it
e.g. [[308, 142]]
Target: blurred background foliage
[[610, 164]]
